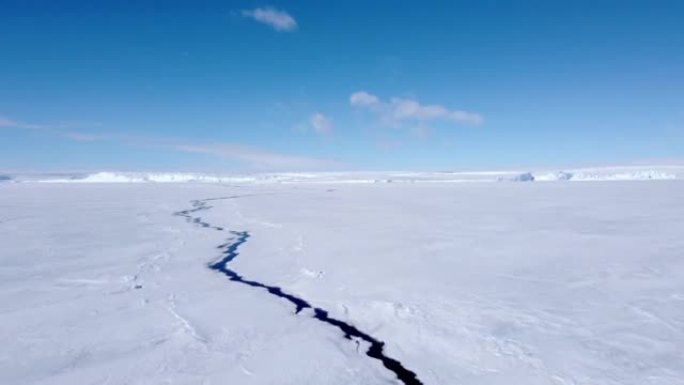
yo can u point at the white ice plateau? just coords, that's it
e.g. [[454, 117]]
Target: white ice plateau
[[258, 279]]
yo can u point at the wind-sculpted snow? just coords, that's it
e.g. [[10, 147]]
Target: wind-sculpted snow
[[350, 332]]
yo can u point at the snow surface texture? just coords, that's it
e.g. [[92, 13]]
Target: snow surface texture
[[586, 174], [470, 283], [375, 347]]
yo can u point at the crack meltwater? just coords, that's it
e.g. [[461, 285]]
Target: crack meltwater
[[230, 252]]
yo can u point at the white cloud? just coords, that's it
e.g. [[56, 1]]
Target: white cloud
[[399, 110], [278, 20], [321, 124], [363, 99]]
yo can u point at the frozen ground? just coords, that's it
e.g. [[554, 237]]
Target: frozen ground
[[467, 283]]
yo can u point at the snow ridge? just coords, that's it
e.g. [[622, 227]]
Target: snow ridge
[[230, 252]]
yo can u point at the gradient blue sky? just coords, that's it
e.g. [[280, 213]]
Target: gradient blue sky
[[243, 85]]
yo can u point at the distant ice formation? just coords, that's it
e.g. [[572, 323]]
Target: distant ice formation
[[113, 177], [526, 177], [593, 175], [628, 175], [364, 177], [554, 176]]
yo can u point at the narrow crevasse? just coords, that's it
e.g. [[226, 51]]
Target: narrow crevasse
[[350, 332]]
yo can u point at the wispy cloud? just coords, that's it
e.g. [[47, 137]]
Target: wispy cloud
[[10, 123], [279, 20], [253, 157], [321, 124], [397, 111], [6, 122]]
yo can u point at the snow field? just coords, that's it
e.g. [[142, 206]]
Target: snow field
[[514, 283]]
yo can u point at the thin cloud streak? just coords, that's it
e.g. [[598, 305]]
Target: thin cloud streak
[[257, 158], [9, 123], [254, 157], [14, 124]]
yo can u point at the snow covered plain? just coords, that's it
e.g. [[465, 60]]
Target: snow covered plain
[[466, 283]]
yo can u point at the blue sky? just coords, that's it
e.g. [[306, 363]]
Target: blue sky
[[317, 85]]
